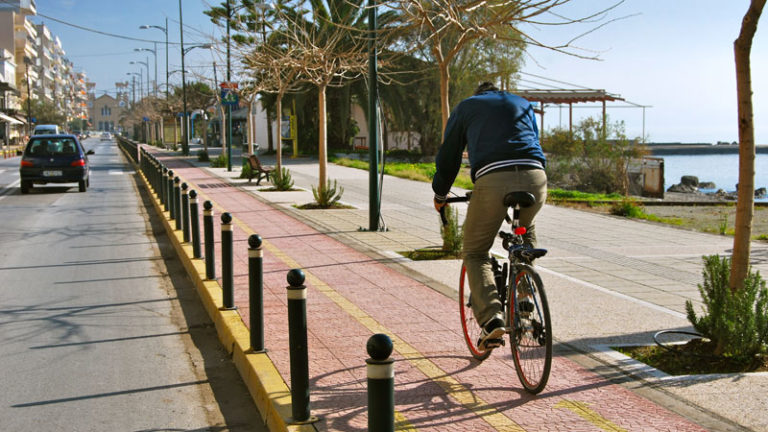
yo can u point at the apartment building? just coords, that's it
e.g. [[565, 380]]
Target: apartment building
[[42, 71]]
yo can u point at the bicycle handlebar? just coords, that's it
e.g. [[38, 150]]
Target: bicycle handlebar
[[452, 200]]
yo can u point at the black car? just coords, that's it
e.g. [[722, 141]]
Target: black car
[[54, 159]]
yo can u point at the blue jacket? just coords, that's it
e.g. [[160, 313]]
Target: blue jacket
[[497, 128]]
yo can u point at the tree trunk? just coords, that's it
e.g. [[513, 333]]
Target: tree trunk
[[279, 153], [445, 84], [322, 136], [270, 142], [251, 126], [746, 193]]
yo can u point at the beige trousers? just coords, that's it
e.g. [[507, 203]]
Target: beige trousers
[[484, 217]]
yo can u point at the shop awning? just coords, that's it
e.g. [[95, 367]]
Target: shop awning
[[9, 119]]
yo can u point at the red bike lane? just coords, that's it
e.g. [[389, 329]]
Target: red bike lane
[[438, 385]]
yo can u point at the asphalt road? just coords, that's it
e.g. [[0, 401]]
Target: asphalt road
[[99, 328]]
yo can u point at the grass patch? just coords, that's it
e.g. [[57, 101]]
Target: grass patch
[[692, 358], [429, 254], [557, 195], [316, 206], [423, 172]]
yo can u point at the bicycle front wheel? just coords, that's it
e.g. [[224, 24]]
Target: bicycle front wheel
[[469, 325], [531, 337]]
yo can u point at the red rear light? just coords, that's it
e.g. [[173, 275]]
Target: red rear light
[[26, 163], [78, 163], [520, 230]]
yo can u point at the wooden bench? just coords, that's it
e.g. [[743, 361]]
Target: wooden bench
[[258, 170]]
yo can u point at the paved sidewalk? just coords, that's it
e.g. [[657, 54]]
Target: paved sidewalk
[[610, 281]]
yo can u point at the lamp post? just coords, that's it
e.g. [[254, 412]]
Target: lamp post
[[164, 30], [154, 52], [146, 63], [184, 51], [133, 87], [27, 61]]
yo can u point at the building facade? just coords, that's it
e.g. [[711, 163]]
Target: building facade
[[105, 113], [36, 60]]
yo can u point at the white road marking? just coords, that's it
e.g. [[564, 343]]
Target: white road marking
[[6, 190]]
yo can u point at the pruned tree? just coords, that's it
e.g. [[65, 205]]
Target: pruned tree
[[442, 29], [275, 66], [742, 48], [328, 50]]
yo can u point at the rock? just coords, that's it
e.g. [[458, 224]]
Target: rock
[[683, 188], [689, 180], [760, 193], [707, 185]]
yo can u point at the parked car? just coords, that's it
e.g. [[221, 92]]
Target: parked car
[[54, 159], [47, 130]]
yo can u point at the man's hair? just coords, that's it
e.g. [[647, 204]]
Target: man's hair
[[485, 86]]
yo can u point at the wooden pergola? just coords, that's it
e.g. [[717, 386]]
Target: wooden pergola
[[569, 97]]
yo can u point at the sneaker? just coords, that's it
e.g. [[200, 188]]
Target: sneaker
[[490, 337]]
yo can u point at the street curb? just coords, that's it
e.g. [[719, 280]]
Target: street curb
[[268, 390]]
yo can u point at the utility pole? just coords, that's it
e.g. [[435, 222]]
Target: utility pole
[[373, 124], [185, 131], [229, 107]]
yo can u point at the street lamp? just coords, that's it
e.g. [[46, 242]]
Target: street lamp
[[133, 86], [164, 30], [146, 63], [154, 52], [184, 51]]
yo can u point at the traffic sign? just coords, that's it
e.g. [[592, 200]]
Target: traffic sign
[[229, 93]]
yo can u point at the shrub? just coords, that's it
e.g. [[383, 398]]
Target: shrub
[[220, 161], [628, 208], [245, 170], [282, 180], [326, 196], [452, 232], [203, 156], [736, 321]]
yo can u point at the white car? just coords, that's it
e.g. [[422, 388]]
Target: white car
[[106, 136]]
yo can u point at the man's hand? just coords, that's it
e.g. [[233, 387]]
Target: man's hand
[[439, 204]]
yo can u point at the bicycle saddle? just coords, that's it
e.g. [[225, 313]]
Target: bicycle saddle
[[523, 199]]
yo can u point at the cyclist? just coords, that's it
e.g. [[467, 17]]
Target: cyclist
[[499, 131]]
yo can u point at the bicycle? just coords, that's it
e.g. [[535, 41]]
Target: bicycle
[[527, 321]]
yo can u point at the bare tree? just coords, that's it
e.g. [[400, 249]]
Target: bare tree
[[742, 48], [446, 27], [328, 51], [275, 65]]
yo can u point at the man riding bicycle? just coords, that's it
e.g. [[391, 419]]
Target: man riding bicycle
[[499, 131]]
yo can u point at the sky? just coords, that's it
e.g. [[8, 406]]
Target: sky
[[673, 56]]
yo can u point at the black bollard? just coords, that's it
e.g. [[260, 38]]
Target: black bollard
[[185, 211], [381, 384], [194, 219], [210, 261], [171, 208], [177, 201], [297, 341], [165, 187], [161, 183], [256, 292], [227, 263]]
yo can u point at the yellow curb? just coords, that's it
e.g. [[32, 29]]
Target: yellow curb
[[269, 391]]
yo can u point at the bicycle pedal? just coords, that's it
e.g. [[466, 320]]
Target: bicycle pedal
[[493, 343]]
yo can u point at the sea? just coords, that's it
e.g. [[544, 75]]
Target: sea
[[721, 169]]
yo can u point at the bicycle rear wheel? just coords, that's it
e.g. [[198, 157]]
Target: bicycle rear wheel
[[531, 338], [470, 327]]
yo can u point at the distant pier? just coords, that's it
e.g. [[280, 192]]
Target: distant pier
[[661, 149]]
